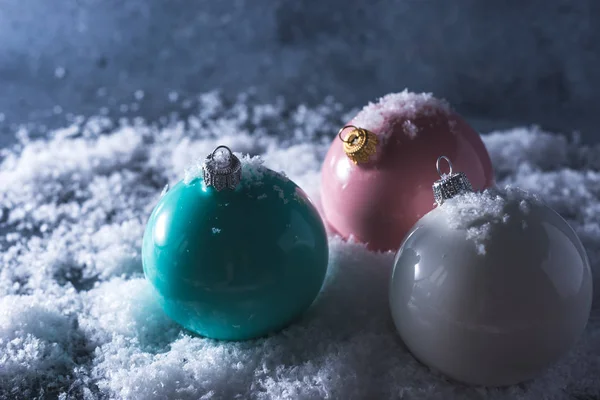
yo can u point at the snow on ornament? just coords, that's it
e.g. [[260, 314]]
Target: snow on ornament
[[490, 288], [235, 250], [376, 175]]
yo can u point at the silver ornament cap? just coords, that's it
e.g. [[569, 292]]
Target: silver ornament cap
[[449, 185], [222, 169]]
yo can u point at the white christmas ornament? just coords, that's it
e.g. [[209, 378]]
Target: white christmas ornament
[[490, 288]]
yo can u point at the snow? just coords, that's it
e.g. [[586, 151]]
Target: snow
[[78, 320], [381, 116], [476, 213], [410, 129]]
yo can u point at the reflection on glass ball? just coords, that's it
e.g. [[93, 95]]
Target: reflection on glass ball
[[377, 202], [235, 264], [493, 296]]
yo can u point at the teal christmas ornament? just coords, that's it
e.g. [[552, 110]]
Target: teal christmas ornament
[[235, 251]]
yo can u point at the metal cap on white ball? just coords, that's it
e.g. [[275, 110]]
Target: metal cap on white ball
[[449, 185], [222, 169]]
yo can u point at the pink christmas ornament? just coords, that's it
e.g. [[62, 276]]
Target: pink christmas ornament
[[376, 178]]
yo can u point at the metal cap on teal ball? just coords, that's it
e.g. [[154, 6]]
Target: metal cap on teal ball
[[235, 252]]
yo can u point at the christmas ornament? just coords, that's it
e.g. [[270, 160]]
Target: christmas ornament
[[490, 288], [235, 251], [366, 191]]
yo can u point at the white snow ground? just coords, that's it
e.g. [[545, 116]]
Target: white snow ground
[[77, 319]]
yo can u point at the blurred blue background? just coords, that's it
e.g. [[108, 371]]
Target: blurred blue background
[[499, 62]]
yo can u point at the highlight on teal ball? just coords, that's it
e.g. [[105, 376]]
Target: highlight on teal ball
[[236, 251]]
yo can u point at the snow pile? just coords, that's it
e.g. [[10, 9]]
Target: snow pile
[[78, 320], [381, 116], [477, 213]]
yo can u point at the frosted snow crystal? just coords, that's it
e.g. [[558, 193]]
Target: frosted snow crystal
[[410, 129], [173, 97], [280, 194], [253, 170], [60, 72], [477, 212], [78, 320], [380, 117]]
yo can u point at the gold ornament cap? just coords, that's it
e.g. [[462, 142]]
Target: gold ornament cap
[[449, 185], [359, 145]]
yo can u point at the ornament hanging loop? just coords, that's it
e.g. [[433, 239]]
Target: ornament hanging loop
[[437, 166], [219, 174], [449, 185], [360, 144], [222, 147], [354, 128]]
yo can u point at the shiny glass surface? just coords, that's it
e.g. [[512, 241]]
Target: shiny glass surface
[[378, 202], [497, 318], [235, 264]]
